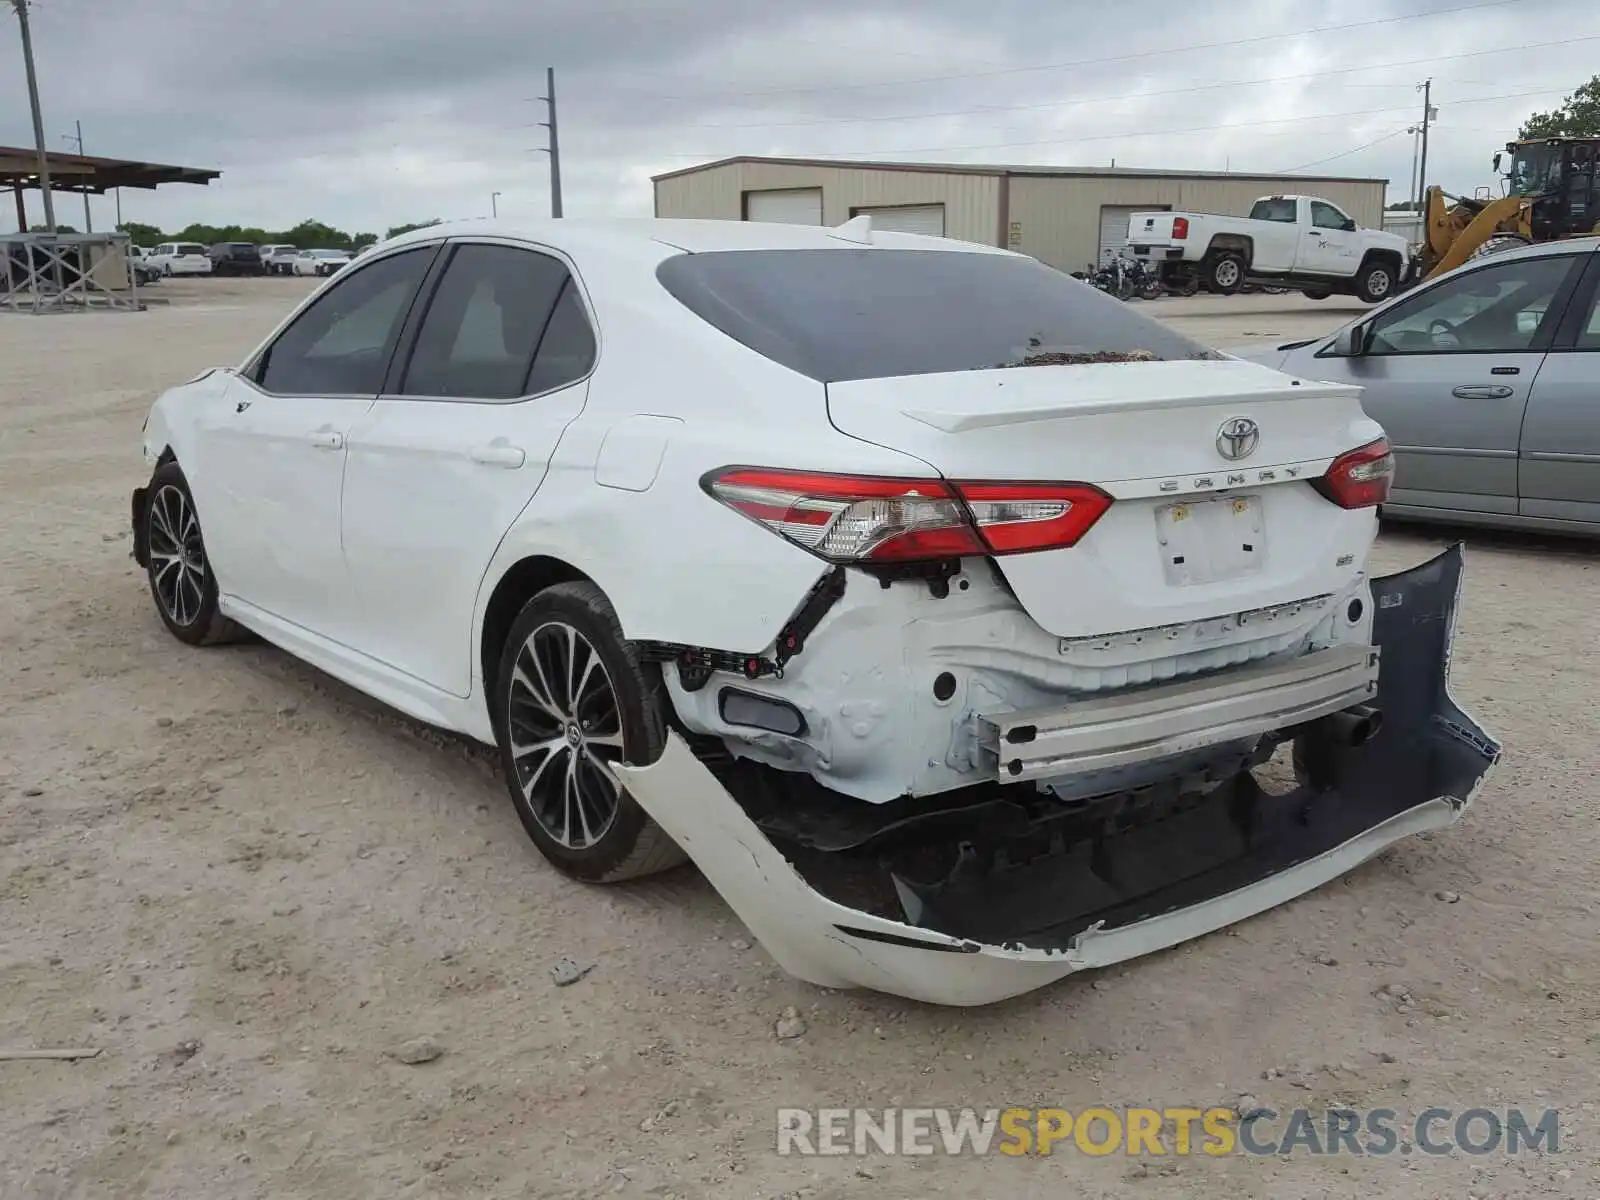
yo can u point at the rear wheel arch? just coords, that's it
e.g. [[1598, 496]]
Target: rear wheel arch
[[522, 581], [1232, 243]]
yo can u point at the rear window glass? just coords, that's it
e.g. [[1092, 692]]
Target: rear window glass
[[1279, 209], [845, 314]]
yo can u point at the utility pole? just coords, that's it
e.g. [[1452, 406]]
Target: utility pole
[[1414, 131], [494, 203], [1428, 114], [554, 149], [88, 221], [38, 117]]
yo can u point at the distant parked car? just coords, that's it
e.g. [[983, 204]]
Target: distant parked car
[[236, 258], [1485, 380], [281, 260], [140, 265], [181, 258], [321, 262], [272, 250]]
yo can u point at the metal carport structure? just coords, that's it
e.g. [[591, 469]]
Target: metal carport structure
[[81, 173]]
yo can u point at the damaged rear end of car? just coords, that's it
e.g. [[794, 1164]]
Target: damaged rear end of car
[[1106, 673]]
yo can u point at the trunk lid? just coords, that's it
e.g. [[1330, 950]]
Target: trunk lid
[[1192, 534]]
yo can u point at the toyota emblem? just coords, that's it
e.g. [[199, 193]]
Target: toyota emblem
[[1238, 438]]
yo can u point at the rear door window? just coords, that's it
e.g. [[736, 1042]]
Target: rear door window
[[485, 333], [836, 315]]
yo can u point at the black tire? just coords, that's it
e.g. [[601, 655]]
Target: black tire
[[182, 583], [1377, 281], [1317, 295], [624, 703], [1225, 272]]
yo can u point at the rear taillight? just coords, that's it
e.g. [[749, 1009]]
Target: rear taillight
[[1180, 228], [854, 518], [1360, 478], [1014, 518]]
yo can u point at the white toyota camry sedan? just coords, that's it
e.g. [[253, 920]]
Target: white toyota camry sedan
[[943, 610]]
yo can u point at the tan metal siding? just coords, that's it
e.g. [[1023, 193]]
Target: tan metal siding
[[1059, 215], [712, 193], [971, 202]]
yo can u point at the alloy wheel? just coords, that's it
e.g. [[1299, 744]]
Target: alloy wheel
[[177, 555], [565, 729]]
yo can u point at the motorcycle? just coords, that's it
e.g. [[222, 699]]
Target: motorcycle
[[1124, 278]]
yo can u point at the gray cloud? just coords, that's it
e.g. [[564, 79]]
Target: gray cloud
[[367, 114]]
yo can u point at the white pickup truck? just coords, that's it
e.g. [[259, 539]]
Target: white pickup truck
[[1300, 242]]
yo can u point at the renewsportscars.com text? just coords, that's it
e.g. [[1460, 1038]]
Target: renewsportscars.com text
[[1159, 1132]]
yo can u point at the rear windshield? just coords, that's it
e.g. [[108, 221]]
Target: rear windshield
[[1279, 209], [190, 248], [845, 314]]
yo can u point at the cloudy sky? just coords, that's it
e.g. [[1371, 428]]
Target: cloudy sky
[[367, 113]]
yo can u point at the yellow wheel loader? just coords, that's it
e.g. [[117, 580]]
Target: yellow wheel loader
[[1552, 192]]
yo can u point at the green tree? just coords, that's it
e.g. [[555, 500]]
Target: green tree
[[140, 234], [311, 234], [397, 230], [60, 228], [1578, 116]]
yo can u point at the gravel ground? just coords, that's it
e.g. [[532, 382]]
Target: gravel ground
[[249, 887]]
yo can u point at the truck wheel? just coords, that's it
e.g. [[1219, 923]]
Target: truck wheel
[[1225, 272], [1377, 282], [1317, 295]]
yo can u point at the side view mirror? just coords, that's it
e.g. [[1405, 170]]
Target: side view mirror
[[1349, 342], [1349, 225], [1498, 158]]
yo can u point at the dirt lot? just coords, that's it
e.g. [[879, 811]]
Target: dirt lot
[[248, 886]]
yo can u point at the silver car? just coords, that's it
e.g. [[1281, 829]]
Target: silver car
[[1487, 381]]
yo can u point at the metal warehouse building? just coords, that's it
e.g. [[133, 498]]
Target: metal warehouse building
[[1064, 216]]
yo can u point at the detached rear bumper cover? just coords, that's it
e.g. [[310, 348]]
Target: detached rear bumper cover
[[1419, 773]]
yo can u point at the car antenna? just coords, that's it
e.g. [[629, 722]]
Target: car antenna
[[856, 229]]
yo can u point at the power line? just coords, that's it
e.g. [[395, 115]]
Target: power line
[[1085, 62], [1071, 100], [1345, 154], [1106, 137]]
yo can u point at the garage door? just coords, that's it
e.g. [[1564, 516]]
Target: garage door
[[1114, 226], [790, 206], [926, 219]]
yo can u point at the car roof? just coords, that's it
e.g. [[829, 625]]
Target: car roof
[[1578, 245], [648, 235]]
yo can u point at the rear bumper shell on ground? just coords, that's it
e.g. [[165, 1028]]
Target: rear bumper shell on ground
[[975, 940]]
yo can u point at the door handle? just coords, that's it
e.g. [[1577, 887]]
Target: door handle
[[500, 453], [326, 439], [1482, 391]]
